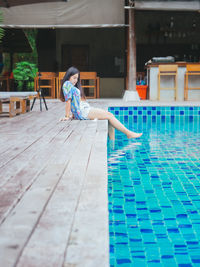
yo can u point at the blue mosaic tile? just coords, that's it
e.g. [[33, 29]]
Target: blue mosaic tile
[[153, 188], [190, 112]]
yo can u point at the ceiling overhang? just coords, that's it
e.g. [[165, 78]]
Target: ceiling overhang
[[11, 3], [63, 14]]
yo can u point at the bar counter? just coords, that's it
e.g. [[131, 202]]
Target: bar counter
[[168, 95]]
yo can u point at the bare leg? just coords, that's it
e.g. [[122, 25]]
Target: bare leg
[[97, 113], [111, 131]]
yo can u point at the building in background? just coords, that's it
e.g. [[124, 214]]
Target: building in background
[[92, 34]]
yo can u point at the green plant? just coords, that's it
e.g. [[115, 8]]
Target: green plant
[[24, 74]]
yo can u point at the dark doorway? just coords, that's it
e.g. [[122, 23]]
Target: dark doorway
[[46, 46], [75, 55]]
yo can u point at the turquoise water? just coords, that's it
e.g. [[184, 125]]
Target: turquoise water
[[154, 189]]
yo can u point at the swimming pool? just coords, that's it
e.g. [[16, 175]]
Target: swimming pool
[[154, 188]]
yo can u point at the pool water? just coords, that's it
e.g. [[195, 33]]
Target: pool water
[[154, 188]]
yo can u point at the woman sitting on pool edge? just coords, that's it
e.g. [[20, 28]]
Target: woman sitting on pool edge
[[72, 93]]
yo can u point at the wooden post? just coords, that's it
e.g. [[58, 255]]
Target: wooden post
[[131, 93], [131, 55]]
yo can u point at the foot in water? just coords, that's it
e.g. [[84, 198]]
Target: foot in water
[[133, 135]]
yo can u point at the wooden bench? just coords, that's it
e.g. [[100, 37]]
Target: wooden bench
[[19, 102]]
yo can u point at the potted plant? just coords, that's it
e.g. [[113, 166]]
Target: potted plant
[[24, 75]]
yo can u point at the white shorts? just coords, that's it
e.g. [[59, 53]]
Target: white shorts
[[85, 109]]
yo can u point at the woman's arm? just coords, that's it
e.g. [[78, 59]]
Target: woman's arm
[[68, 109]]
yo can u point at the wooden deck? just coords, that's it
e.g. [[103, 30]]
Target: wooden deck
[[53, 196]]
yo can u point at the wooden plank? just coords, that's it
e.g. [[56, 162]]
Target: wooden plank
[[19, 226], [15, 187], [89, 239], [22, 122], [45, 183], [36, 144], [13, 131], [33, 152], [27, 125], [42, 127], [56, 222], [18, 147], [32, 145]]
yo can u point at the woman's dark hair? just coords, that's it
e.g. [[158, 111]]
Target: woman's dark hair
[[70, 72]]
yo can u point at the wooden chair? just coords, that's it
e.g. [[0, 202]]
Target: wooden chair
[[47, 83], [168, 70], [89, 80], [59, 82], [191, 70]]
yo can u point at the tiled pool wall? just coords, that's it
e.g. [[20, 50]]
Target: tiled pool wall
[[153, 189], [155, 113]]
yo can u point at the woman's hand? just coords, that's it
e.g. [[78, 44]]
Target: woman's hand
[[68, 115], [66, 118]]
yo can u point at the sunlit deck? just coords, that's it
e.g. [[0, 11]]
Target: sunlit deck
[[53, 197]]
